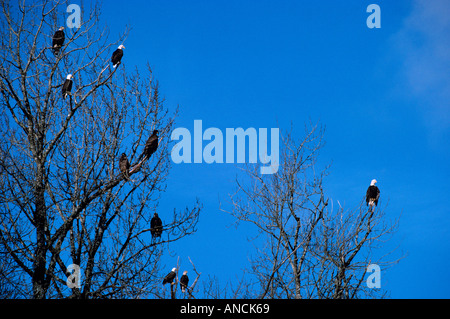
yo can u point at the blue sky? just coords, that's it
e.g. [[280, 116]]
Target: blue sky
[[382, 94]]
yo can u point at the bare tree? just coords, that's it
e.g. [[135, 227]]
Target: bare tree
[[347, 243], [63, 199], [308, 250]]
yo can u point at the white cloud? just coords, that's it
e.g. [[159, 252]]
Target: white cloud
[[424, 45]]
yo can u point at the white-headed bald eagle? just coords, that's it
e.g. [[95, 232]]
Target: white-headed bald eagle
[[170, 276], [58, 40], [184, 280], [117, 56], [67, 86], [372, 194]]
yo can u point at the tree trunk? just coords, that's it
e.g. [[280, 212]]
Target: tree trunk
[[40, 222]]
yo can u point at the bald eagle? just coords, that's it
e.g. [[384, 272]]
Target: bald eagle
[[170, 276], [124, 166], [156, 226], [184, 280], [67, 86], [117, 56], [58, 40], [150, 146], [372, 194]]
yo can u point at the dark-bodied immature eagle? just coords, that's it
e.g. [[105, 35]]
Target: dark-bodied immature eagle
[[58, 40], [156, 226], [372, 194], [67, 86], [184, 280], [124, 166], [117, 56], [150, 146], [170, 276]]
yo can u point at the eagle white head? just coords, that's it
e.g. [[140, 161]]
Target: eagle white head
[[373, 182], [61, 28], [174, 269], [121, 47], [185, 272], [69, 77]]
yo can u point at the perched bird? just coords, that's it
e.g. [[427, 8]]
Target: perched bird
[[170, 276], [156, 226], [124, 166], [150, 146], [58, 40], [184, 280], [372, 194], [67, 86], [117, 56]]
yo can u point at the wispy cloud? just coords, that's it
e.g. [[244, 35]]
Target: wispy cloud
[[424, 45]]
